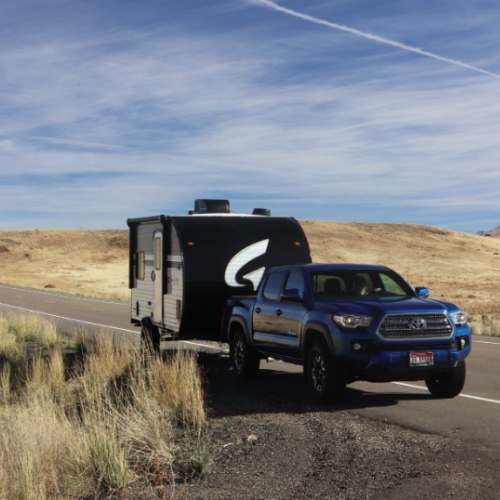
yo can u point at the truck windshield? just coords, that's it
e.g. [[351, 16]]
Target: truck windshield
[[360, 283]]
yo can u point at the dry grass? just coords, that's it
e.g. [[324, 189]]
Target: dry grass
[[485, 324], [458, 267], [90, 263], [90, 431]]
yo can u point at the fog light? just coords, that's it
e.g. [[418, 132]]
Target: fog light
[[356, 346], [463, 343]]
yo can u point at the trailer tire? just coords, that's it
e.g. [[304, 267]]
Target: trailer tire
[[150, 339], [244, 360], [327, 380], [447, 384]]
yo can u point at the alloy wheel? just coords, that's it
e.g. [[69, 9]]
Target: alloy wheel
[[239, 355], [318, 373]]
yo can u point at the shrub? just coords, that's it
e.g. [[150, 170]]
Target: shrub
[[89, 432]]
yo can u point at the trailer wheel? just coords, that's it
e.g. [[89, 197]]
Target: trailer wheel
[[326, 379], [447, 384], [244, 360], [150, 339]]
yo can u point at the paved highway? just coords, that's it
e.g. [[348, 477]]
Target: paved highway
[[475, 415]]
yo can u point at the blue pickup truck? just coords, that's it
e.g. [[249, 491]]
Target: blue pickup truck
[[346, 322]]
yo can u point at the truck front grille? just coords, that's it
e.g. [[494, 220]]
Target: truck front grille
[[416, 326]]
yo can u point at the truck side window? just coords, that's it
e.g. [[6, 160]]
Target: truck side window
[[295, 280], [273, 286], [140, 265]]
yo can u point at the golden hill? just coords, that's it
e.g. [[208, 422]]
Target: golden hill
[[84, 262], [458, 267]]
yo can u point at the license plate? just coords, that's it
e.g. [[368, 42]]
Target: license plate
[[421, 358]]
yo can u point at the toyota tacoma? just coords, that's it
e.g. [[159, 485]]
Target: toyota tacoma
[[344, 323]]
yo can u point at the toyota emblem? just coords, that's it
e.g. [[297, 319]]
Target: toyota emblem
[[417, 324]]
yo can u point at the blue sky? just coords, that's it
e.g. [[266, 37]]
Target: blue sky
[[117, 109]]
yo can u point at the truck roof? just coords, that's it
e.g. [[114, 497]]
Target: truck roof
[[333, 267]]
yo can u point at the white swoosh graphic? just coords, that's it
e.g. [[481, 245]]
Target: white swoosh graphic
[[241, 259]]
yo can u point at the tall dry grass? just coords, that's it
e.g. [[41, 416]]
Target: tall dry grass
[[91, 429], [485, 324]]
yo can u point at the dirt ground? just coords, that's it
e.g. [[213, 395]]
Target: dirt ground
[[458, 267], [269, 442]]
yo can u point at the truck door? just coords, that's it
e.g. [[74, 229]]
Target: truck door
[[270, 330], [292, 313], [157, 277]]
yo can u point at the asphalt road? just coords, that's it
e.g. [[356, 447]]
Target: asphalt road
[[473, 416]]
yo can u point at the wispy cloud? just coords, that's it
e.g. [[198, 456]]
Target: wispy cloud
[[139, 121], [274, 6]]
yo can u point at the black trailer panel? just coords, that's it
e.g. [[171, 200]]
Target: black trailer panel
[[229, 255]]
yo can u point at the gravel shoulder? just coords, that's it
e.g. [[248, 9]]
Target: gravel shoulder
[[269, 441]]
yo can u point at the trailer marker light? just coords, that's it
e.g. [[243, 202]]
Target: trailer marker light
[[191, 243], [297, 243]]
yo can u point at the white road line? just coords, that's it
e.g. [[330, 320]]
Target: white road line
[[98, 324], [201, 345], [66, 296], [477, 398], [69, 319], [484, 342]]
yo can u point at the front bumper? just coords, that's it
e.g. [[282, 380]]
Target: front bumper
[[393, 357]]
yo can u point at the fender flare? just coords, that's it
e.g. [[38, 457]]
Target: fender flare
[[239, 320], [324, 330]]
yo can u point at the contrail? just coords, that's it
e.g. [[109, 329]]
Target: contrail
[[274, 6]]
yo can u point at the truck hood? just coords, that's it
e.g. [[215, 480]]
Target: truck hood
[[375, 306]]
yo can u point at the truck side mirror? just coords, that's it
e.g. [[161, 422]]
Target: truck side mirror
[[291, 295], [422, 292]]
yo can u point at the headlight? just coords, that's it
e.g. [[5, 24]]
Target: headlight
[[352, 320], [459, 318]]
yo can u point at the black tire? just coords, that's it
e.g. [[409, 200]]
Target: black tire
[[447, 384], [327, 381], [244, 360], [150, 339]]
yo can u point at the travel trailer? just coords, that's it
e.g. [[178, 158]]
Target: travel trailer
[[183, 268]]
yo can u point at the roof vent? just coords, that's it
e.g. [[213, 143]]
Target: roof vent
[[211, 207], [262, 211]]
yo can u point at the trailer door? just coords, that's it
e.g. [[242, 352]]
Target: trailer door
[[157, 277], [173, 298]]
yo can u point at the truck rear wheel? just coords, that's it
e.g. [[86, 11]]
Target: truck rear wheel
[[150, 339], [326, 379], [447, 384], [244, 360]]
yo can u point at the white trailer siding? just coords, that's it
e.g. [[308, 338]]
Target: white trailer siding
[[143, 293], [172, 300]]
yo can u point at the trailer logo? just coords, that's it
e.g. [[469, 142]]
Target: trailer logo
[[241, 259]]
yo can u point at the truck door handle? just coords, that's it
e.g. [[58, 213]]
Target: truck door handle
[[258, 310], [279, 312]]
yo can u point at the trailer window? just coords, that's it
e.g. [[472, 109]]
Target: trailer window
[[140, 265], [273, 286], [158, 253]]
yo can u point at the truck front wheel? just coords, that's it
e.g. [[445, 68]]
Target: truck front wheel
[[447, 384], [244, 360], [326, 379]]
